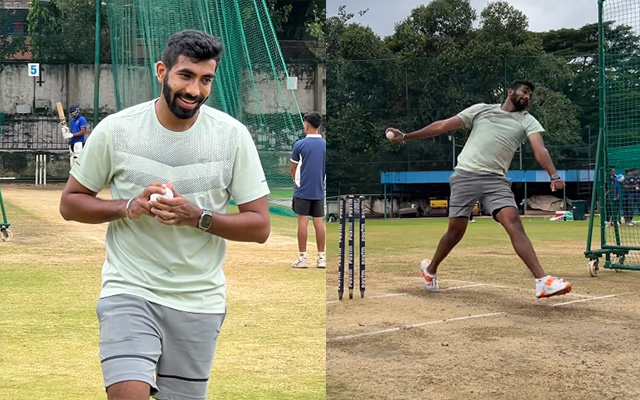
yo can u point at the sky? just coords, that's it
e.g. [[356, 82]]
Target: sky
[[543, 15]]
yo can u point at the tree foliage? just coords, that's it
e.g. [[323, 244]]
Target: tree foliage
[[64, 31], [579, 48], [298, 20]]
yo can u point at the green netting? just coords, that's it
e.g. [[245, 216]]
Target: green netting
[[624, 157], [619, 144], [250, 84]]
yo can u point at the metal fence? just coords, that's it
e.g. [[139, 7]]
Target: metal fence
[[31, 133]]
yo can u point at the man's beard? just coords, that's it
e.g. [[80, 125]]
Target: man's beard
[[518, 103], [172, 102]]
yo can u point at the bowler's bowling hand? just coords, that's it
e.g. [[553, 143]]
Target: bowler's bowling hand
[[557, 184]]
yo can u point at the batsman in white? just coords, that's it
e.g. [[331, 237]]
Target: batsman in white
[[163, 298], [497, 130]]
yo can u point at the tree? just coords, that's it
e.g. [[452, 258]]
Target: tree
[[298, 20], [334, 28], [362, 72], [579, 50], [279, 14], [64, 31], [502, 20], [433, 28]]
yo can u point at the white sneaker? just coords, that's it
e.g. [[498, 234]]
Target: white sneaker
[[300, 262], [322, 263], [430, 281], [551, 286], [630, 224]]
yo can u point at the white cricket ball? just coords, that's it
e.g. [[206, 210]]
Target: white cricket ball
[[390, 135], [167, 194]]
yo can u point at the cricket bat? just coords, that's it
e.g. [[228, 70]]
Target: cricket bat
[[66, 133]]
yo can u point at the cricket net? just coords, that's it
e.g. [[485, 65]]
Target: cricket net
[[617, 189]]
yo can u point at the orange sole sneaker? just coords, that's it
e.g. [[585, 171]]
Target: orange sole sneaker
[[566, 290]]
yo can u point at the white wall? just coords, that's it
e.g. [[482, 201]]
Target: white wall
[[70, 84], [73, 84]]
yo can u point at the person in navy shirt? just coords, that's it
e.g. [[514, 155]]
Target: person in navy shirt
[[308, 160], [614, 189], [78, 127], [632, 194]]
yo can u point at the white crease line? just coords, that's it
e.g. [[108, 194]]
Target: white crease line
[[457, 280], [372, 297], [580, 301], [460, 287], [96, 239], [586, 296], [404, 294], [412, 326], [477, 283], [510, 287]]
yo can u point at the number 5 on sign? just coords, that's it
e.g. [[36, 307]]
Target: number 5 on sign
[[34, 69]]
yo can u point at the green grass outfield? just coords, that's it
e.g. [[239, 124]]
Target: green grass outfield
[[399, 241], [272, 344]]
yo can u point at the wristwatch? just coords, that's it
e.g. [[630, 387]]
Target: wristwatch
[[555, 176], [206, 218]]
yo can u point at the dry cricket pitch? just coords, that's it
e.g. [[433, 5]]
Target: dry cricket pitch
[[485, 335]]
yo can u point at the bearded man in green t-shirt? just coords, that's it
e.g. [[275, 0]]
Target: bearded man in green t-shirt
[[163, 297], [497, 130]]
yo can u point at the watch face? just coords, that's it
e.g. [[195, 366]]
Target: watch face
[[206, 221]]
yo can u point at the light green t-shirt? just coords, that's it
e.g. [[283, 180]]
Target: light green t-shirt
[[210, 163], [495, 137]]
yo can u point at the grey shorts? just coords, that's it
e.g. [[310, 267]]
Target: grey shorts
[[493, 191], [140, 340]]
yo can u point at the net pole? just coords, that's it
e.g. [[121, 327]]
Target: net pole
[[96, 67], [599, 151]]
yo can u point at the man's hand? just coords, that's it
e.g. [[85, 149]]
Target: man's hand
[[398, 135], [557, 184], [176, 211], [66, 133], [140, 205]]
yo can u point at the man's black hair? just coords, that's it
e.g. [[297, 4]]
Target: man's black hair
[[313, 118], [515, 85], [195, 45]]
